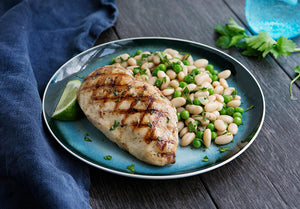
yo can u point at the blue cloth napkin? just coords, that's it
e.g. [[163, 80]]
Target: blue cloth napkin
[[36, 38]]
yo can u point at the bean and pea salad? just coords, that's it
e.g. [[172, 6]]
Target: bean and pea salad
[[208, 109]]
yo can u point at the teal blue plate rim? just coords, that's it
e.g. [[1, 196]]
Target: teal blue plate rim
[[226, 158]]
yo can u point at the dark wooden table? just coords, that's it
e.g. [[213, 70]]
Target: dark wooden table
[[267, 174]]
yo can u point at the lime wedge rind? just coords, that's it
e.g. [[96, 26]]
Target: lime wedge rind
[[67, 107]]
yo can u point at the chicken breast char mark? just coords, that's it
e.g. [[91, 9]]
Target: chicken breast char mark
[[132, 113]]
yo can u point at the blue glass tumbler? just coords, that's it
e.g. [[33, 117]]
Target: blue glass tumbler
[[276, 17]]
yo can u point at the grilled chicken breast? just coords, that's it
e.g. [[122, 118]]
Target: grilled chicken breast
[[130, 112]]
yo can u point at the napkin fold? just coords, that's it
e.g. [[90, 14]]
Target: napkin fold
[[36, 38]]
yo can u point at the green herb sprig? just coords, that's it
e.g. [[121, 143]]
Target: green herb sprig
[[297, 70], [260, 45]]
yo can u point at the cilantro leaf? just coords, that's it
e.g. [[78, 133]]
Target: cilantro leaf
[[283, 47], [261, 42]]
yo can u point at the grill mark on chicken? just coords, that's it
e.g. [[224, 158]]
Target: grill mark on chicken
[[117, 87]]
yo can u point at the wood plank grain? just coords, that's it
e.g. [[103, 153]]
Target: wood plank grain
[[265, 176], [111, 191]]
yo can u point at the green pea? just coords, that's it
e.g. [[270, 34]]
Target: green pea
[[237, 120], [230, 111], [189, 78], [223, 111], [186, 62], [214, 135], [112, 61], [199, 134], [138, 52], [210, 68], [239, 109], [237, 114], [197, 143], [214, 78], [215, 72], [178, 116], [154, 72], [227, 98], [185, 114], [211, 126], [196, 102], [196, 71], [177, 94], [177, 68], [211, 91], [182, 84], [162, 67], [158, 82]]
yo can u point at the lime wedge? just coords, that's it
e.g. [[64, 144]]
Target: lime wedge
[[67, 107]]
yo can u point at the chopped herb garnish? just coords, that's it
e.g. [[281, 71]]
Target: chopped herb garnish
[[132, 94], [86, 138], [191, 126], [163, 97], [131, 168], [143, 72], [145, 55], [149, 124], [223, 149], [117, 100], [205, 159], [165, 79], [79, 76], [139, 62], [129, 87], [159, 138], [186, 92], [94, 77], [113, 127], [249, 108], [116, 93], [168, 119], [107, 157]]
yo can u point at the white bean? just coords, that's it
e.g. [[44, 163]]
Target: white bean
[[180, 76], [168, 92], [180, 126], [187, 121], [220, 125], [191, 87], [201, 63], [201, 78], [183, 131], [210, 116], [226, 118], [211, 106], [233, 128], [132, 62], [219, 98], [187, 139], [224, 139], [234, 103], [156, 59], [216, 83], [207, 137], [201, 94], [172, 75], [228, 91], [194, 109], [223, 83], [166, 81], [178, 101], [224, 74], [219, 90], [236, 97], [174, 83], [203, 100], [161, 74]]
